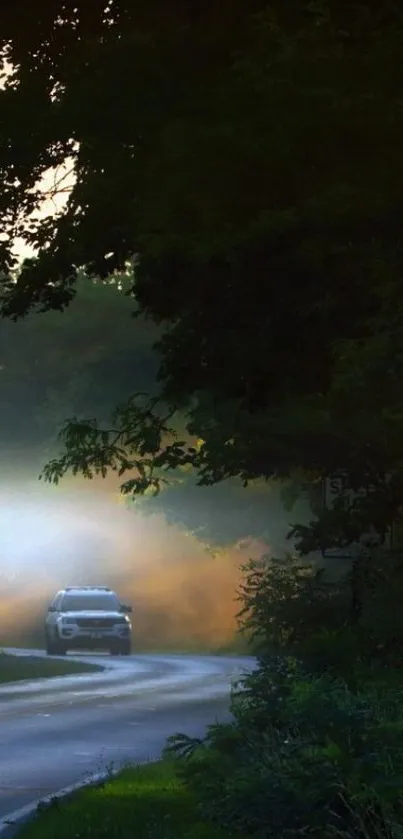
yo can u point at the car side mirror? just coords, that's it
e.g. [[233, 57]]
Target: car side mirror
[[51, 608], [127, 610]]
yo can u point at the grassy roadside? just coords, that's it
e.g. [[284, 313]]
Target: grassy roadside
[[148, 802], [14, 668]]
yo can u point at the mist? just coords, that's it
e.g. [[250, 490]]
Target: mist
[[176, 559], [183, 596]]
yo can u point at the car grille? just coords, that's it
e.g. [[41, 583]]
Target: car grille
[[97, 623]]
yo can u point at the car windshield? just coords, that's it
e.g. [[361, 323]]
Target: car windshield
[[89, 602]]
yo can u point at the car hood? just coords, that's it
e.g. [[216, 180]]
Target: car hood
[[92, 614]]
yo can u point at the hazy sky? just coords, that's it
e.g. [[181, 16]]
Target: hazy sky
[[53, 202]]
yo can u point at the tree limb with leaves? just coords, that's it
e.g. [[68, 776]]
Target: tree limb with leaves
[[136, 448]]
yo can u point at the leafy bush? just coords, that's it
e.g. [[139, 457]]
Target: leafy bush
[[304, 756], [316, 743], [284, 602], [333, 625], [292, 609]]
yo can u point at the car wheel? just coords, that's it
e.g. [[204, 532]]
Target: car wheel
[[59, 649], [50, 648], [125, 648]]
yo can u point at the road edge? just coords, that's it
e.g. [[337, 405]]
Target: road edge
[[21, 652], [12, 822]]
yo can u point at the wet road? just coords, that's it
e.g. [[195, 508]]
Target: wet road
[[54, 732]]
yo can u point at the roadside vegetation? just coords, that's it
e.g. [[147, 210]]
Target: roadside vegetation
[[15, 668], [149, 802], [316, 744]]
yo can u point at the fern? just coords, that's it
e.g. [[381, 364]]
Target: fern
[[181, 746]]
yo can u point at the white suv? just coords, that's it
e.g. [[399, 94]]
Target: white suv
[[88, 617]]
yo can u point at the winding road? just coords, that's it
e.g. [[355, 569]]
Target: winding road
[[55, 732]]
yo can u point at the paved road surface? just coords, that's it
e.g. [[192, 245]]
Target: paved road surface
[[53, 732]]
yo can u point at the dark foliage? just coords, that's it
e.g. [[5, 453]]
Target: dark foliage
[[304, 755], [271, 256]]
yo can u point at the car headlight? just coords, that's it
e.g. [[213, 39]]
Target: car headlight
[[126, 623], [68, 621]]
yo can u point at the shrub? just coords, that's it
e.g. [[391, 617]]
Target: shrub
[[315, 747], [284, 603], [304, 756], [333, 626]]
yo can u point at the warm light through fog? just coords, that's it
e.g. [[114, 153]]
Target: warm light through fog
[[80, 533]]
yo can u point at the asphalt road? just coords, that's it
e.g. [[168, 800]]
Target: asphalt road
[[55, 732]]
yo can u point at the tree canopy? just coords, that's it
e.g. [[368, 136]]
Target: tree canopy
[[247, 159]]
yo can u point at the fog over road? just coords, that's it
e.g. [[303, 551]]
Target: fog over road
[[54, 732]]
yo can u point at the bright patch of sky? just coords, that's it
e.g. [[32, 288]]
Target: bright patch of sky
[[55, 184]]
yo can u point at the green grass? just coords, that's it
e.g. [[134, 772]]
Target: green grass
[[14, 668], [145, 802]]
